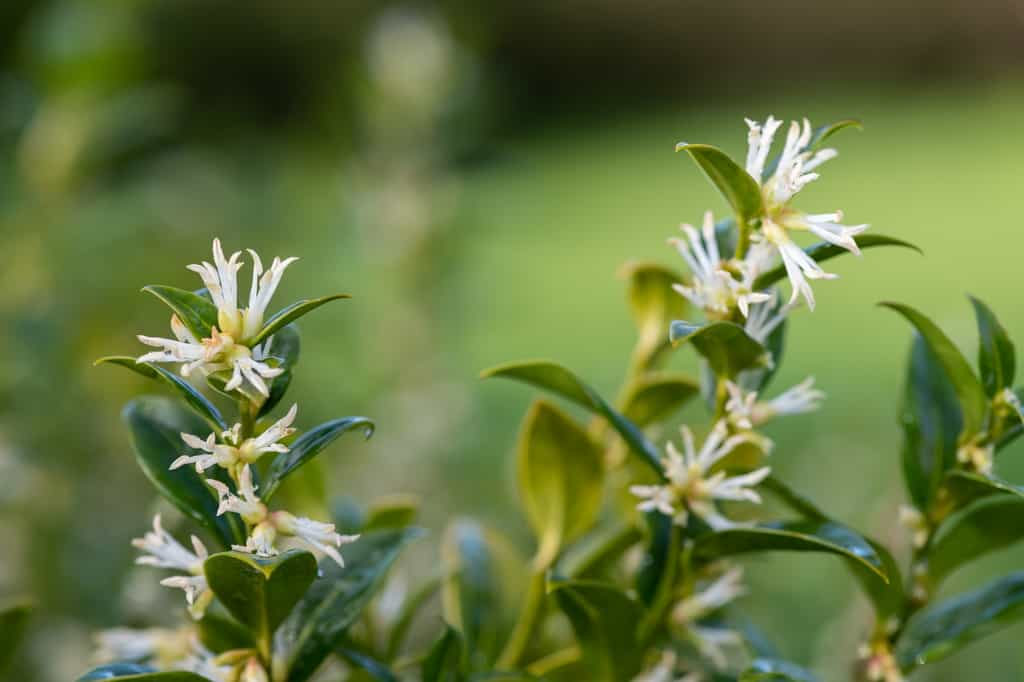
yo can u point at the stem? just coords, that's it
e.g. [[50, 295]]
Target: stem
[[529, 618], [743, 240]]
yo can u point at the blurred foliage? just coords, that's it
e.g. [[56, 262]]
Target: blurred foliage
[[131, 131]]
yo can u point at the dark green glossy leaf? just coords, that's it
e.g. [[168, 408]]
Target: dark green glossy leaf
[[13, 622], [219, 633], [373, 668], [656, 396], [308, 445], [969, 391], [197, 313], [887, 598], [196, 400], [443, 661], [996, 356], [942, 628], [606, 623], [334, 602], [799, 536], [484, 583], [131, 672], [654, 304], [990, 524], [290, 314], [156, 425], [823, 251], [725, 345], [260, 591], [772, 670], [931, 422], [559, 380], [735, 184], [560, 473]]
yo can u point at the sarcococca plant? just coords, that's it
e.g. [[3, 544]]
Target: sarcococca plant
[[636, 571]]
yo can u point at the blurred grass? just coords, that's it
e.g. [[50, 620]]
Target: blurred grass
[[527, 269]]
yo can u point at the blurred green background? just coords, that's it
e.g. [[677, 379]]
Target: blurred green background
[[474, 174]]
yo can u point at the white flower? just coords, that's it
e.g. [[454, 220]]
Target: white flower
[[976, 455], [692, 488], [246, 503], [879, 663], [792, 173], [266, 526], [713, 643], [766, 317], [321, 536], [746, 412], [221, 280], [714, 289], [233, 451], [166, 552], [227, 347], [253, 672], [129, 644], [725, 589]]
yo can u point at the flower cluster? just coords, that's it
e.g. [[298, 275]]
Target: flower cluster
[[230, 345]]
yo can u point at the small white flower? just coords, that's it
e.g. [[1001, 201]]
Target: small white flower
[[233, 451], [227, 347], [792, 173], [766, 317], [246, 503], [714, 289], [977, 456], [723, 590], [745, 412], [715, 642], [692, 488], [319, 535], [879, 663], [166, 552]]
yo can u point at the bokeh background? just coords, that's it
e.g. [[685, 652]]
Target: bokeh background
[[475, 174]]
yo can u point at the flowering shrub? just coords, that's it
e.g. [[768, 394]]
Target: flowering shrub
[[635, 574]]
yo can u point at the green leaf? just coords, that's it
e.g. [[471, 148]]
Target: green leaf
[[156, 425], [334, 602], [560, 476], [373, 668], [656, 395], [996, 355], [654, 304], [559, 380], [772, 670], [197, 313], [823, 251], [308, 445], [13, 623], [290, 314], [218, 633], [971, 395], [739, 189], [725, 345], [931, 421], [484, 581], [942, 628], [799, 536], [442, 662], [142, 673], [989, 524], [887, 598], [606, 623], [196, 400], [260, 591]]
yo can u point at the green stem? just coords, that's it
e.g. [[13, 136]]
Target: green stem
[[529, 618], [743, 240]]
